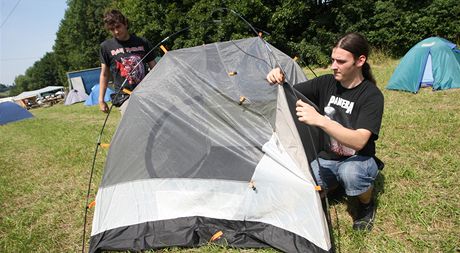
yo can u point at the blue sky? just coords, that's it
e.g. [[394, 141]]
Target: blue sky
[[27, 34]]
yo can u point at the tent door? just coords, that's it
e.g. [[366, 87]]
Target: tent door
[[427, 79], [77, 84]]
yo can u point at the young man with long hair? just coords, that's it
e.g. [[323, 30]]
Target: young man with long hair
[[350, 116]]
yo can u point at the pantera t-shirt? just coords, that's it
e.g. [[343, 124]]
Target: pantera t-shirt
[[358, 107]]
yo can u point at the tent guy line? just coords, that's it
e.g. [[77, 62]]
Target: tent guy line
[[9, 14]]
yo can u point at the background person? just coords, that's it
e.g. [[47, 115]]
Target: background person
[[351, 110], [119, 56]]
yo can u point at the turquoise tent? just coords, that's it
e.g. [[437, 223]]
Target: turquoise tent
[[431, 62]]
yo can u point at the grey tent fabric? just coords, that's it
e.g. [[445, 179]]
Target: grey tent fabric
[[207, 145]]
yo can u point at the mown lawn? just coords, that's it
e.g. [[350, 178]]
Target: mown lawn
[[45, 165]]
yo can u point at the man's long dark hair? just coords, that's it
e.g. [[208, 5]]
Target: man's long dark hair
[[356, 44]]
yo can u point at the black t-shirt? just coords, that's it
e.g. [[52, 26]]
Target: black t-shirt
[[122, 56], [359, 107]]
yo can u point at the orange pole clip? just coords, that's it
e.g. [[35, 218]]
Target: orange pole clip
[[252, 185], [318, 188], [216, 236], [127, 91], [104, 145], [92, 204], [164, 49], [242, 99]]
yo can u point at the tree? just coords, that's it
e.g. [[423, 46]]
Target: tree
[[398, 24], [306, 29], [44, 72], [3, 87], [22, 83], [79, 36]]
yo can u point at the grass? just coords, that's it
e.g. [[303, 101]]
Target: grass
[[45, 164]]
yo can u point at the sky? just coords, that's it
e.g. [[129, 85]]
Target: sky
[[27, 31]]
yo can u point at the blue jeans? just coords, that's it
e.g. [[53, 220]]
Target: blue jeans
[[356, 174]]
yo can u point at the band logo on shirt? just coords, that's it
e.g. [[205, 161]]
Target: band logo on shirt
[[345, 104], [122, 50]]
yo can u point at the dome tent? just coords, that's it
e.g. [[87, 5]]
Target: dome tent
[[431, 62], [10, 112], [207, 151], [75, 96]]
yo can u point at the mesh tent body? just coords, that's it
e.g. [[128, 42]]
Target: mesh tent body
[[433, 62], [11, 112], [207, 147]]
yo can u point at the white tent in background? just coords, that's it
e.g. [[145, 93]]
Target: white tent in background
[[75, 96]]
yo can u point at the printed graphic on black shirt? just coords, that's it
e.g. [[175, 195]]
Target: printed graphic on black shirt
[[126, 67], [342, 116]]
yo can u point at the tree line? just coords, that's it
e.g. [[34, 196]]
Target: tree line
[[306, 29]]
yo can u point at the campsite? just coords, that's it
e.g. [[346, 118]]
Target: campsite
[[46, 164], [209, 155]]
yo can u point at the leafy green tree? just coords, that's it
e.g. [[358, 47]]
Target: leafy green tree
[[3, 87], [79, 36], [306, 29], [22, 83], [44, 72], [398, 24], [41, 74]]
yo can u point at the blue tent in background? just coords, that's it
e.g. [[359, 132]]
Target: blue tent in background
[[10, 112], [93, 98], [431, 62], [86, 78]]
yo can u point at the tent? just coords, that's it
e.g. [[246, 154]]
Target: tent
[[10, 112], [40, 93], [93, 98], [84, 80], [75, 96], [7, 99], [431, 62], [208, 151]]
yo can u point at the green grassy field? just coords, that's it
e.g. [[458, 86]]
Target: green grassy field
[[45, 165]]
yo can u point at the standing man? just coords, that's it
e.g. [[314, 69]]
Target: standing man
[[351, 109], [121, 57]]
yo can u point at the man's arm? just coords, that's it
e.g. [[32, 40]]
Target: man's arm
[[355, 139], [103, 83]]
